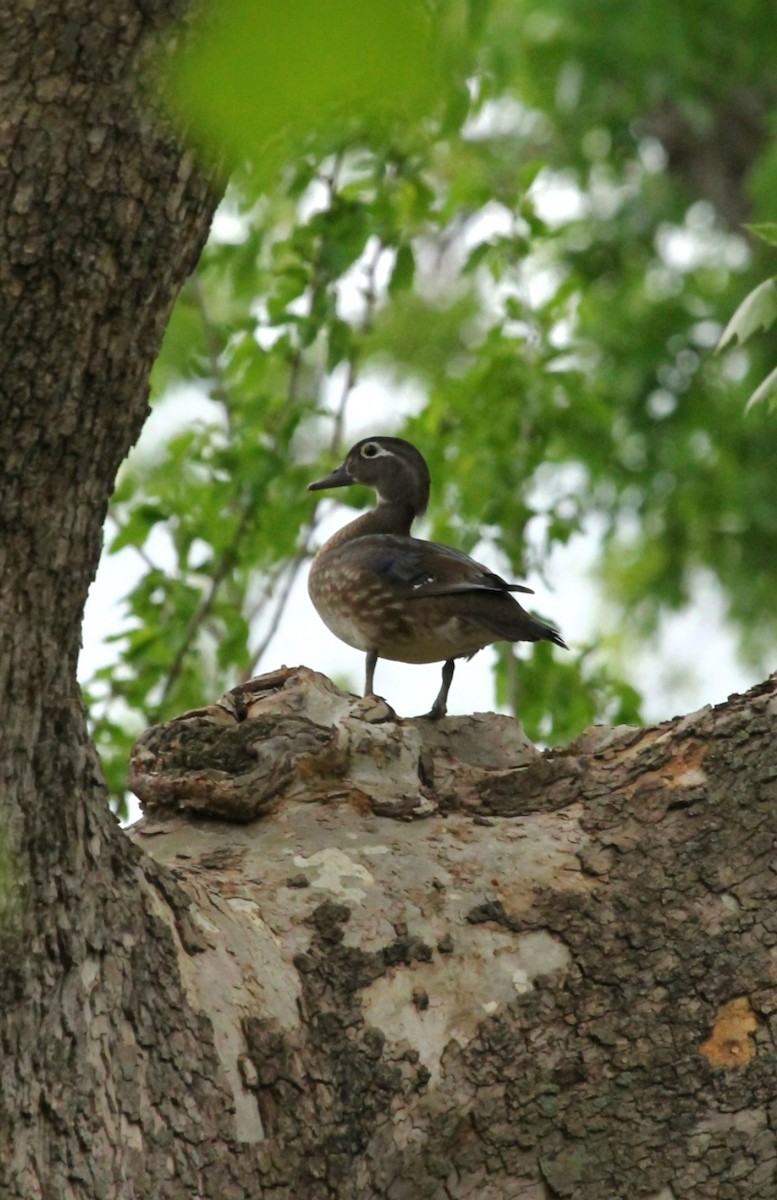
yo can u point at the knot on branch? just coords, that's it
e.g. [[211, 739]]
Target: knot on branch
[[292, 735]]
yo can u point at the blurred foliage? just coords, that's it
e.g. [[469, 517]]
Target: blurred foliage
[[264, 82], [525, 214], [757, 311]]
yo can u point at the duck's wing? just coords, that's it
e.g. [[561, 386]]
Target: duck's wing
[[422, 569]]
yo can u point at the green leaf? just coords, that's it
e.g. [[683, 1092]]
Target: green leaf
[[135, 530], [767, 388], [340, 343], [404, 270], [766, 231], [758, 310]]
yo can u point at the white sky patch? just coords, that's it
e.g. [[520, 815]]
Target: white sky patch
[[700, 242], [557, 198], [505, 118]]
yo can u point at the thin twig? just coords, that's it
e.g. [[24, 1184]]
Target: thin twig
[[291, 576], [339, 416], [274, 573], [223, 567]]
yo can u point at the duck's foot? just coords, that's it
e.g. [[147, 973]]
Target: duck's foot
[[440, 706]]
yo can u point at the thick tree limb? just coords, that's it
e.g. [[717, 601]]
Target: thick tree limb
[[576, 998]]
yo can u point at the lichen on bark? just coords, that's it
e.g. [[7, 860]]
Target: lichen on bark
[[525, 1005]]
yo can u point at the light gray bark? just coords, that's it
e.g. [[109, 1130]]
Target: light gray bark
[[439, 964]]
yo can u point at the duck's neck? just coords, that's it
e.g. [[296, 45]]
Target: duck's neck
[[390, 516]]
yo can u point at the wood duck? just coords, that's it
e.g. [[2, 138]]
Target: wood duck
[[398, 597]]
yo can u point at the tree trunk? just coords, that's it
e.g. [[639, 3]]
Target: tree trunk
[[102, 216]]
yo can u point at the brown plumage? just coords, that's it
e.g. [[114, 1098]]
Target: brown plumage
[[395, 596]]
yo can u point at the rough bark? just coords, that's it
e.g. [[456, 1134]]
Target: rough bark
[[101, 217], [441, 964]]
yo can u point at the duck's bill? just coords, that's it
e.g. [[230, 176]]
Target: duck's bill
[[338, 478]]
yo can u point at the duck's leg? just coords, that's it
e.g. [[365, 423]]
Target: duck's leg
[[440, 706], [370, 662]]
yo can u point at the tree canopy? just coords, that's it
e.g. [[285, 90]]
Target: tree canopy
[[526, 221]]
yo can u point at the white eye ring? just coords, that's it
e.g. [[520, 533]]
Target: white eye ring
[[373, 450]]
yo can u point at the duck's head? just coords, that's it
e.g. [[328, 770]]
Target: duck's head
[[392, 466]]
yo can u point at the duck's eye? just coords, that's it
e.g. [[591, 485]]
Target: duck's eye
[[370, 450]]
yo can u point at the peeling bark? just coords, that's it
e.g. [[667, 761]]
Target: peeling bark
[[562, 987]]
